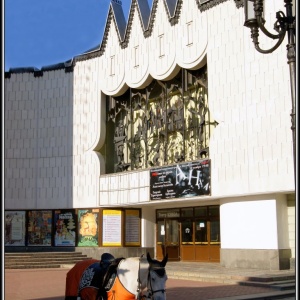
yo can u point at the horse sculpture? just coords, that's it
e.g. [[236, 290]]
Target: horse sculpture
[[117, 279]]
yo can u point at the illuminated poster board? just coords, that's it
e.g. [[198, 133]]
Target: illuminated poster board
[[112, 229], [65, 228], [88, 227], [14, 228], [132, 227], [189, 179], [39, 227]]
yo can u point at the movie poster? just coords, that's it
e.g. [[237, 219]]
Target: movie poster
[[39, 227], [14, 228], [88, 227], [188, 179], [65, 228]]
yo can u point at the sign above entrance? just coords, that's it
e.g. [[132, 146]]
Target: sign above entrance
[[189, 179]]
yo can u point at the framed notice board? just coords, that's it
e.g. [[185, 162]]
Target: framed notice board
[[132, 227]]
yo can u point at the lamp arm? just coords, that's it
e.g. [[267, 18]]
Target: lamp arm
[[254, 36], [280, 25]]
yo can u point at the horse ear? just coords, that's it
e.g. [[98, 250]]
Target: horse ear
[[165, 260], [149, 259]]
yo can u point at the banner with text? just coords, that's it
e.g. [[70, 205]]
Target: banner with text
[[189, 179]]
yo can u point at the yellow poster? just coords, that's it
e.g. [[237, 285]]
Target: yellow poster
[[112, 227]]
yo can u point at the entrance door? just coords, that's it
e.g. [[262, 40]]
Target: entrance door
[[168, 239], [207, 240], [189, 234], [172, 239]]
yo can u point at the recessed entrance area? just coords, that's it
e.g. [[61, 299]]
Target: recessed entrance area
[[189, 234]]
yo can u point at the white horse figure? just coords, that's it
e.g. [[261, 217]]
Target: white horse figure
[[136, 274], [133, 278]]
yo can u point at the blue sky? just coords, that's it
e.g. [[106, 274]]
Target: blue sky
[[40, 33]]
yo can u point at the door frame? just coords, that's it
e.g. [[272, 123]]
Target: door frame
[[165, 246], [208, 251]]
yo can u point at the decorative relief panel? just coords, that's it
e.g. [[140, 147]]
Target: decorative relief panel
[[165, 123]]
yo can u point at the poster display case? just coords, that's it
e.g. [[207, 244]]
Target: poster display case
[[65, 228], [91, 227], [88, 227], [39, 227], [15, 228], [132, 227], [112, 227]]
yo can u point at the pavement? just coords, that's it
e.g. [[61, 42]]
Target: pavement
[[49, 284], [215, 272]]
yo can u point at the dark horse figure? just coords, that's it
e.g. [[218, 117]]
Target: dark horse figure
[[117, 279]]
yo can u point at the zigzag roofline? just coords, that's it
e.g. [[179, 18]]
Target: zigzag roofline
[[116, 15], [146, 16]]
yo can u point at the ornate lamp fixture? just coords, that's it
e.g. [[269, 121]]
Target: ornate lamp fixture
[[285, 23], [254, 20]]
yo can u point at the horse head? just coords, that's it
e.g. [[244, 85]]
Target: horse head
[[157, 277]]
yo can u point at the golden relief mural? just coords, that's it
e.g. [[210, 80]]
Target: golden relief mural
[[162, 124]]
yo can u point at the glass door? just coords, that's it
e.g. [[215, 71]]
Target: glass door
[[189, 234], [172, 239], [168, 239]]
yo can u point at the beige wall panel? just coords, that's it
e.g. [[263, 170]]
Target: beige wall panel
[[137, 56], [191, 36], [124, 181], [162, 49], [112, 68], [249, 147], [88, 133], [104, 183]]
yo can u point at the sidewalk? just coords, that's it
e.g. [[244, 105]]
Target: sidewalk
[[216, 273], [49, 284]]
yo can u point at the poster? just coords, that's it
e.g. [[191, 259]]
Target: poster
[[65, 228], [112, 228], [88, 227], [14, 228], [188, 179], [132, 227], [39, 227]]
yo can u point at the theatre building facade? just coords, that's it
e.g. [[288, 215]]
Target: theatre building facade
[[171, 136]]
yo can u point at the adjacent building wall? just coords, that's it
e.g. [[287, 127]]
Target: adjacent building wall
[[38, 140]]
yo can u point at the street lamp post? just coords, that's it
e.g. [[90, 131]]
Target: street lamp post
[[285, 23]]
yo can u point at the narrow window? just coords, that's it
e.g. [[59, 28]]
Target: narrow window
[[112, 65], [189, 34], [161, 46], [136, 61]]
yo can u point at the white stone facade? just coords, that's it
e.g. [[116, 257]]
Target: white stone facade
[[55, 123]]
